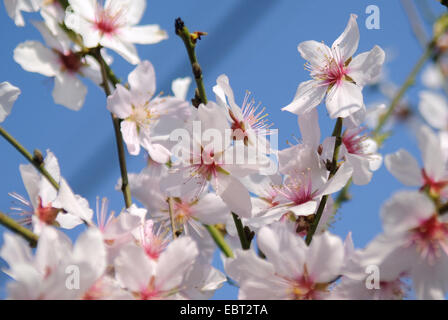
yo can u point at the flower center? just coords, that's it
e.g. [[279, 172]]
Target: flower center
[[434, 186], [46, 214], [353, 142], [304, 288], [108, 21], [70, 61], [429, 238], [298, 190], [333, 70]]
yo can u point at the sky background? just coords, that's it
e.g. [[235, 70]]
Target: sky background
[[255, 43]]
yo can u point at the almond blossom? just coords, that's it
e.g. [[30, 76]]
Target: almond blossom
[[60, 61], [147, 119], [337, 74], [113, 25], [14, 9], [414, 241], [292, 270]]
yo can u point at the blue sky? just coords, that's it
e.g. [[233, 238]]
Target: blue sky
[[254, 43]]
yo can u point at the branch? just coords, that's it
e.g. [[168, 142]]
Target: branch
[[190, 45], [37, 162], [219, 240], [337, 132], [245, 242], [108, 75], [15, 227]]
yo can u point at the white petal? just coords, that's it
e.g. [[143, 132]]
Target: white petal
[[157, 152], [314, 52], [124, 48], [31, 179], [131, 137], [247, 263], [15, 251], [361, 170], [325, 257], [34, 57], [309, 94], [120, 102], [143, 80], [175, 261], [210, 209], [365, 68], [69, 91], [309, 128], [339, 180], [404, 167], [72, 204], [85, 8], [234, 194], [405, 211], [8, 95], [432, 154], [304, 209], [344, 99], [148, 34], [347, 43], [434, 108], [180, 87]]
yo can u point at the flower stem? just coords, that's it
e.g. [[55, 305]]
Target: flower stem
[[38, 164], [108, 75], [337, 133], [15, 227], [219, 240], [190, 45]]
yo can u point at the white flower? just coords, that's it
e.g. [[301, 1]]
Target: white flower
[[45, 276], [155, 279], [47, 206], [60, 61], [113, 25], [415, 241], [434, 176], [8, 95], [292, 270], [147, 119], [336, 74], [14, 8]]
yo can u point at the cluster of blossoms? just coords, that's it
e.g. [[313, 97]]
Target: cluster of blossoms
[[214, 165]]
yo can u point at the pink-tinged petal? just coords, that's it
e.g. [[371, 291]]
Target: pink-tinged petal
[[122, 225], [91, 36], [31, 179], [434, 108], [210, 209], [214, 118], [430, 282], [73, 204], [304, 209], [234, 194], [247, 263], [309, 128], [175, 262], [90, 249], [263, 289], [405, 211], [432, 155], [404, 167], [316, 53], [69, 91], [133, 269], [325, 257], [131, 137], [120, 102], [15, 251], [365, 68], [180, 87], [28, 284], [134, 9], [344, 99], [309, 94], [8, 95], [361, 170], [283, 248], [338, 181], [53, 248], [124, 48], [84, 8], [157, 152], [143, 80], [34, 57], [347, 43], [148, 34]]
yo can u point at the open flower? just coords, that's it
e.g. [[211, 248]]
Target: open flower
[[147, 119], [60, 61], [336, 74], [292, 270], [113, 25]]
